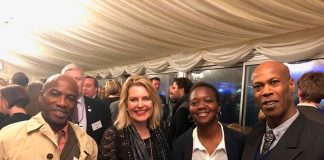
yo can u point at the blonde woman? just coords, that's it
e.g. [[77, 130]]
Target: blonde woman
[[112, 91], [136, 134]]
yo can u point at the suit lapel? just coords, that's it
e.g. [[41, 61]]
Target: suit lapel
[[287, 147], [254, 141], [88, 110]]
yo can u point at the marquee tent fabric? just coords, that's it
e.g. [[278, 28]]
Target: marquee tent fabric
[[116, 37]]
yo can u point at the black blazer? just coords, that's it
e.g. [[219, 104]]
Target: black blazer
[[179, 122], [96, 112], [234, 144], [17, 117], [312, 113], [303, 140]]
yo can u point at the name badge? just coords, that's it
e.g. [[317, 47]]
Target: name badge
[[96, 125]]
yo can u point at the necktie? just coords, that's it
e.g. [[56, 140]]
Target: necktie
[[61, 140], [269, 138]]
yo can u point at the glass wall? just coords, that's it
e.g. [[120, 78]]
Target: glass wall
[[297, 69], [228, 82]]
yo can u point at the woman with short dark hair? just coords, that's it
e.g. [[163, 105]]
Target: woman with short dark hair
[[13, 101], [209, 139]]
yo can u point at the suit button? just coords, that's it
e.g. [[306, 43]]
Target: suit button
[[49, 156]]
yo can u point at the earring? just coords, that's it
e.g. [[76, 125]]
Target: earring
[[126, 109], [219, 115]]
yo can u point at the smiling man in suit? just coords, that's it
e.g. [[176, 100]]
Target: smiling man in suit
[[287, 134], [91, 115]]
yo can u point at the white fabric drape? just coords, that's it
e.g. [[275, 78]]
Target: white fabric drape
[[288, 47], [129, 36], [228, 55], [135, 69], [158, 65]]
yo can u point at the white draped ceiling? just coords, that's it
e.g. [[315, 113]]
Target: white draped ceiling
[[132, 36]]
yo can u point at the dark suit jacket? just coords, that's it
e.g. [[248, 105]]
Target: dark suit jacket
[[303, 140], [312, 113], [97, 98], [96, 111], [234, 144], [179, 122], [17, 117]]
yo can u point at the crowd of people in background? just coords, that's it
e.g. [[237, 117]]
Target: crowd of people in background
[[69, 116]]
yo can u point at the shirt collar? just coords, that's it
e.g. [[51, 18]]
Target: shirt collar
[[308, 104], [81, 100], [282, 128], [64, 131], [199, 146], [37, 121], [221, 145]]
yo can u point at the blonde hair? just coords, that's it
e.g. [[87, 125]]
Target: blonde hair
[[123, 118], [261, 116], [112, 87]]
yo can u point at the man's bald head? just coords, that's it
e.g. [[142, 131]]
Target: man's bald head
[[272, 65], [54, 78]]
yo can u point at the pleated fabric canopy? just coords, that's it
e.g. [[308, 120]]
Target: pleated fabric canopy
[[115, 37]]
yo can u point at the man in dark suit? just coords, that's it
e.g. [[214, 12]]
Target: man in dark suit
[[90, 88], [179, 122], [310, 92], [156, 82], [287, 134], [91, 115]]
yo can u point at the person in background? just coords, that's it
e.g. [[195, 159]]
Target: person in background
[[179, 109], [165, 107], [286, 134], [33, 90], [136, 133], [3, 116], [112, 92], [102, 93], [20, 78], [310, 93], [13, 99], [49, 135], [91, 115], [3, 82], [209, 139], [90, 88], [156, 82]]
